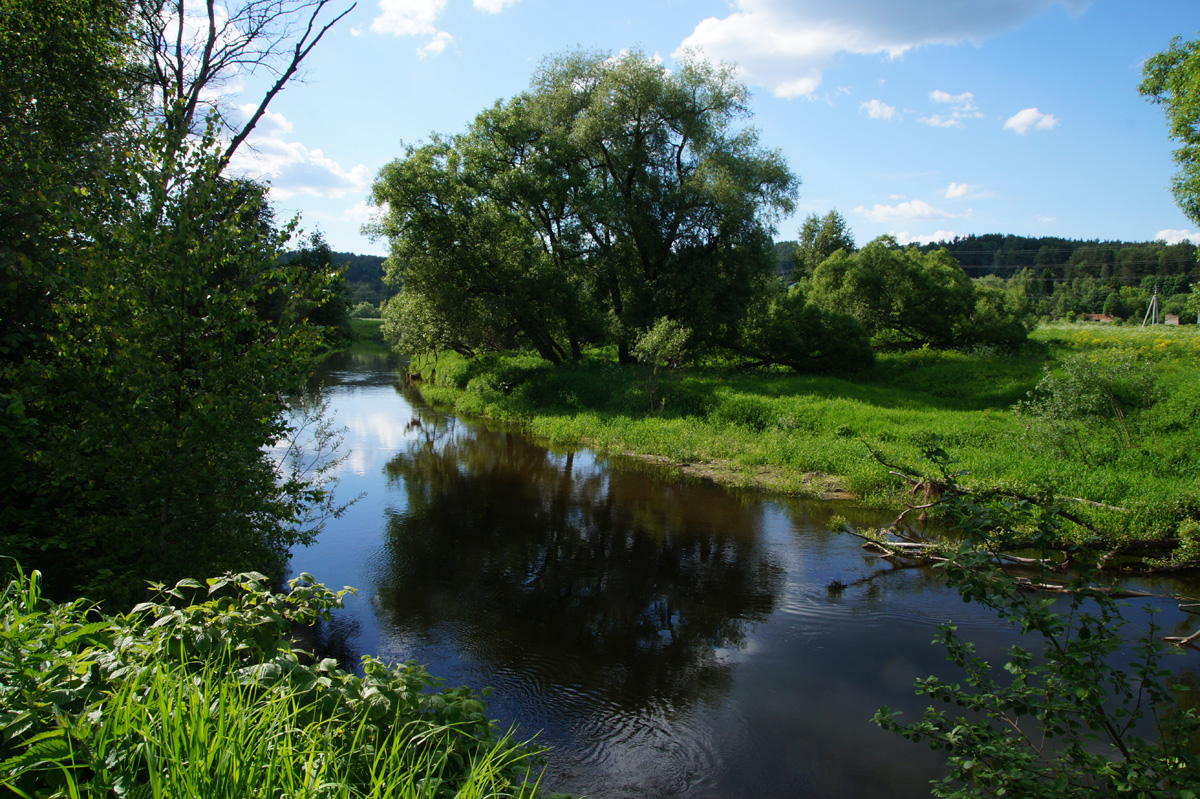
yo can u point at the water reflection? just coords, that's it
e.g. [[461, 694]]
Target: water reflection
[[667, 639], [638, 585]]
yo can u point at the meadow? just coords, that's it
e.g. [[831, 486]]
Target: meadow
[[1105, 415]]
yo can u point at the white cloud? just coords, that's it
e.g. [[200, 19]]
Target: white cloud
[[956, 191], [905, 238], [419, 18], [786, 44], [877, 109], [413, 18], [356, 31], [913, 210], [408, 17], [939, 121], [493, 6], [1022, 121], [435, 45], [1177, 236], [362, 212], [1047, 220], [896, 197], [291, 167], [962, 107], [938, 96]]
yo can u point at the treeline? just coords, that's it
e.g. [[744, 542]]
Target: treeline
[[364, 280], [1065, 278], [1058, 278], [365, 291], [1126, 263]]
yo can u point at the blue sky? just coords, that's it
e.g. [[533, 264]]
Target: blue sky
[[920, 118]]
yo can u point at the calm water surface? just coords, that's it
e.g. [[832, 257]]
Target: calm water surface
[[665, 638]]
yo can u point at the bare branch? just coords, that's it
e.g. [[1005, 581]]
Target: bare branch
[[302, 48], [192, 52]]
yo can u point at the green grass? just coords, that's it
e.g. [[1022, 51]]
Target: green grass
[[200, 694], [212, 736], [804, 434], [367, 329]]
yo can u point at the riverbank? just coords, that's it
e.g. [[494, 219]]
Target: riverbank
[[1136, 470]]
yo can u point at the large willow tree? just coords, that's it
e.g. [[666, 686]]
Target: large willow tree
[[613, 193]]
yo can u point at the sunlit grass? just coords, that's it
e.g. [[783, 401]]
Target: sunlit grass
[[175, 734], [778, 429]]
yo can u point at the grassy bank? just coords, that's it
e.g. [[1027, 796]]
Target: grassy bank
[[367, 329], [814, 434]]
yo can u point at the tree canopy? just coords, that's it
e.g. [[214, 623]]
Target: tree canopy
[[148, 330], [611, 194], [1172, 79], [903, 297], [821, 237]]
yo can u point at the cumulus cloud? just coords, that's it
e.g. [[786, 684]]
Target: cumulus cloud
[[435, 45], [904, 238], [408, 17], [939, 121], [269, 154], [962, 106], [912, 210], [877, 109], [413, 18], [493, 6], [1177, 236], [956, 191], [419, 18], [786, 44], [1030, 119]]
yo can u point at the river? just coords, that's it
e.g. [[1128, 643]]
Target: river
[[665, 638]]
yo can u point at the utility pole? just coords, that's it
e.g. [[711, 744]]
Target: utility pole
[[1153, 309]]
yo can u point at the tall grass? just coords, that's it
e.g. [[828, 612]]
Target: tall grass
[[176, 734], [143, 705], [817, 434]]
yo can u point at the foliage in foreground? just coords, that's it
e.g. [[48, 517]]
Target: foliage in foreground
[[1082, 711], [1172, 79], [199, 693], [149, 332]]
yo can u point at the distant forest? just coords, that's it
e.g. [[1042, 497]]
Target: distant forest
[[1063, 277], [1055, 277], [364, 278]]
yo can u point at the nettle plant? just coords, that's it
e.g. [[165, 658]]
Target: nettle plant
[[1085, 708]]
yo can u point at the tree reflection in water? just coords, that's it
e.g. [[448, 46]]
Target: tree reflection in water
[[539, 556]]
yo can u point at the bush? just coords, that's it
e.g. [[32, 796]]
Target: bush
[[1066, 720], [785, 328], [364, 310], [1090, 389], [199, 693]]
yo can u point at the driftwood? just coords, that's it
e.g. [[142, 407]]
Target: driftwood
[[935, 492], [909, 553]]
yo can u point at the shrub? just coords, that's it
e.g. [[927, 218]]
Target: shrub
[[1066, 720], [199, 693], [1090, 388]]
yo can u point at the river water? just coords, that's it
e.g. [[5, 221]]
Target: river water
[[665, 638]]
